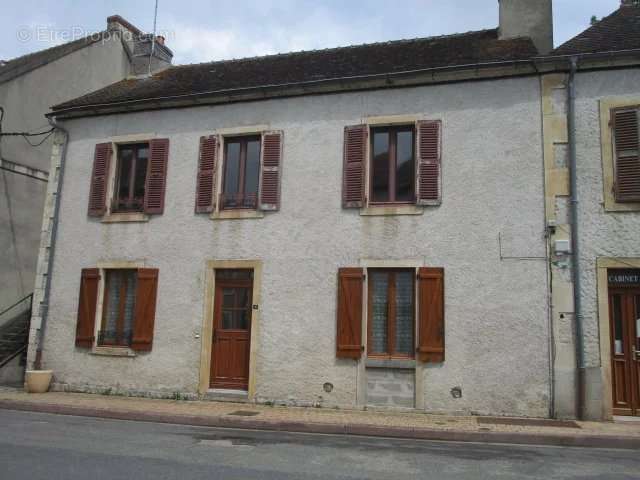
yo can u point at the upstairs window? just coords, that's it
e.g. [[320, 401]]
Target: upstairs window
[[131, 177], [241, 172], [626, 133], [392, 165]]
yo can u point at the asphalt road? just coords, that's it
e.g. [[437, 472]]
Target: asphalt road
[[37, 446]]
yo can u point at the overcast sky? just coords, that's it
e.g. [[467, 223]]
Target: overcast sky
[[200, 30]]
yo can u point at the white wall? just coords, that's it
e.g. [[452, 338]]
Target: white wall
[[602, 234], [496, 311]]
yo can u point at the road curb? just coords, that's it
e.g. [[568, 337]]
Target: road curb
[[518, 438]]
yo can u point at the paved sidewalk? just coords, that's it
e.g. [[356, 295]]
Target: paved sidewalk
[[331, 421]]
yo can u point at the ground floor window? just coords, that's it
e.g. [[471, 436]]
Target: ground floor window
[[391, 323], [118, 308]]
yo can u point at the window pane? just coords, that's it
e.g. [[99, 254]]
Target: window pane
[[252, 168], [234, 274], [404, 166], [618, 342], [380, 167], [404, 313], [124, 172], [379, 314], [141, 173], [119, 307], [228, 298], [232, 168]]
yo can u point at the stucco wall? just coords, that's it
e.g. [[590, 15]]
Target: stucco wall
[[602, 234], [496, 315], [26, 99]]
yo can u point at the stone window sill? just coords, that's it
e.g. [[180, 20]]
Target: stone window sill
[[389, 210], [613, 206], [390, 363], [236, 214], [125, 217], [113, 352]]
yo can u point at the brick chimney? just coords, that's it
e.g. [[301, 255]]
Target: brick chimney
[[528, 18]]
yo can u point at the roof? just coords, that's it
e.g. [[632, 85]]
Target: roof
[[619, 31], [343, 63], [21, 65]]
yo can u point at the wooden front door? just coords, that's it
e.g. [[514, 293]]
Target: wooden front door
[[624, 308], [231, 329]]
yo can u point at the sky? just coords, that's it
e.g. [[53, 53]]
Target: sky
[[201, 31]]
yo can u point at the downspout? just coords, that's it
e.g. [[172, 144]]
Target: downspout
[[575, 244], [44, 304]]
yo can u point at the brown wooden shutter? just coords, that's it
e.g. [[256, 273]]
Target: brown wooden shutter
[[354, 163], [99, 178], [627, 143], [156, 176], [85, 328], [431, 314], [271, 166], [145, 310], [207, 165], [349, 328], [428, 165]]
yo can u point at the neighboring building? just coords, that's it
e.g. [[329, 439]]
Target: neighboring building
[[353, 226], [607, 109], [29, 85]]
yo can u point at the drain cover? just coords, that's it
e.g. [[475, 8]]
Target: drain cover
[[527, 422], [244, 413]]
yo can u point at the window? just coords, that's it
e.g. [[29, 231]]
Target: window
[[131, 176], [391, 313], [241, 172], [118, 308], [392, 165], [626, 134]]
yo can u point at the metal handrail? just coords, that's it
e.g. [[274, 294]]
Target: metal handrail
[[12, 356], [16, 304]]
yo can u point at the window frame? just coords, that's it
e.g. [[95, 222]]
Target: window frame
[[115, 200], [393, 131], [390, 354], [242, 169], [634, 108], [104, 310], [608, 106]]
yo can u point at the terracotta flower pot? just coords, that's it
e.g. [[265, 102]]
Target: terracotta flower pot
[[37, 381]]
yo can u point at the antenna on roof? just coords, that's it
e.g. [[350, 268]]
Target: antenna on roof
[[153, 38]]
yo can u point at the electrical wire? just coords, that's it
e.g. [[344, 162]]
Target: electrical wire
[[26, 134], [26, 139]]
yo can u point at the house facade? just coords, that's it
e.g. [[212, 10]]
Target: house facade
[[362, 226]]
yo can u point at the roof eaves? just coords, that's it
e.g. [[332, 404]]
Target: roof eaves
[[373, 81]]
